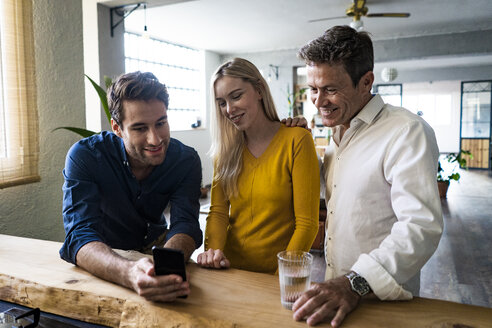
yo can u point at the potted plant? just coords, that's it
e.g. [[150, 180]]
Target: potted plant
[[448, 173], [84, 133]]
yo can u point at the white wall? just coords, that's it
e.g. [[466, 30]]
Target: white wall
[[34, 210]]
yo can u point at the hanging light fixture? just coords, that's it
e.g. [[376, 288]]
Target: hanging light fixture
[[389, 74], [145, 32]]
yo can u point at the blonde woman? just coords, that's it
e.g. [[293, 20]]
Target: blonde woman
[[265, 194]]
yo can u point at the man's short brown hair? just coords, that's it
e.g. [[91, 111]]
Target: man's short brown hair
[[341, 45], [134, 86]]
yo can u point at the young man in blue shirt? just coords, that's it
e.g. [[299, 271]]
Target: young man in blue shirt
[[117, 186]]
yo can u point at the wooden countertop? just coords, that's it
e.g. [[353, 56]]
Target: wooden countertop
[[32, 274]]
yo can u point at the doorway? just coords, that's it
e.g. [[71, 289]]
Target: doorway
[[475, 132]]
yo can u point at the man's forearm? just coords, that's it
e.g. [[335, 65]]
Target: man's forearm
[[182, 242], [100, 260]]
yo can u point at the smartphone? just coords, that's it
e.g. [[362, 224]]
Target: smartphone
[[169, 261]]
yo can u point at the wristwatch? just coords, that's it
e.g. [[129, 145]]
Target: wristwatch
[[358, 283]]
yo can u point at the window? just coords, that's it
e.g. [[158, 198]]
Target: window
[[19, 150], [433, 101], [391, 93], [438, 103], [176, 66], [475, 119]]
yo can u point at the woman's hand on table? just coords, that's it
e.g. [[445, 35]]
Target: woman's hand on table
[[213, 258], [164, 288]]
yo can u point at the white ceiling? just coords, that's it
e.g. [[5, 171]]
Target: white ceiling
[[242, 26], [238, 26]]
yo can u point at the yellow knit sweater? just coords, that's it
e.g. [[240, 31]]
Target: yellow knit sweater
[[277, 207]]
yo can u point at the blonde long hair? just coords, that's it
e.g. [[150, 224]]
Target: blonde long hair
[[227, 140]]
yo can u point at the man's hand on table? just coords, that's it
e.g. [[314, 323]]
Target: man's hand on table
[[156, 288], [331, 300], [213, 258], [100, 260]]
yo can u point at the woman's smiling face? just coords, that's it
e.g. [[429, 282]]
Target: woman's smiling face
[[238, 101]]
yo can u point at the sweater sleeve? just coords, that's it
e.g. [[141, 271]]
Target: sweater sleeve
[[217, 219], [306, 189]]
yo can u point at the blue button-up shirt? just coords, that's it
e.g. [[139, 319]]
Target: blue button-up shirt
[[103, 201]]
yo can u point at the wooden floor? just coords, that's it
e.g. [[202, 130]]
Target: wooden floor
[[461, 268]]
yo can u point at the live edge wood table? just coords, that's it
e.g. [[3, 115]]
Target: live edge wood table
[[32, 274]]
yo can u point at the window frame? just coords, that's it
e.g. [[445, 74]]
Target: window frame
[[19, 100], [377, 86]]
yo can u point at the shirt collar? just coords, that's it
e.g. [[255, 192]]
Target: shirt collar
[[122, 151], [366, 115], [369, 112]]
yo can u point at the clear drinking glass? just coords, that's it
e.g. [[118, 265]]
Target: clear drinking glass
[[294, 272]]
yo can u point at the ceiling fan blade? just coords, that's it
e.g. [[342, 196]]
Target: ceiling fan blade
[[389, 15], [326, 18]]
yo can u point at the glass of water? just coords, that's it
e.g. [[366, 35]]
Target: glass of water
[[294, 271]]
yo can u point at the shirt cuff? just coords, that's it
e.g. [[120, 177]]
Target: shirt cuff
[[191, 230], [71, 247], [382, 283]]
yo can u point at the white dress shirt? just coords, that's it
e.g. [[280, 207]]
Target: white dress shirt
[[384, 217]]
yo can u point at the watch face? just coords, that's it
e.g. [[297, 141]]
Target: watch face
[[360, 285]]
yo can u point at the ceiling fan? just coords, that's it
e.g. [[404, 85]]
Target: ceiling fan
[[357, 10]]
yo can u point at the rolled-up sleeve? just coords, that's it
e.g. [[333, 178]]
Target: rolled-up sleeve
[[81, 203]]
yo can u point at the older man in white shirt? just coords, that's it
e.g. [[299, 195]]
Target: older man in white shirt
[[384, 216]]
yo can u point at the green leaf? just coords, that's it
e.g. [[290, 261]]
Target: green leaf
[[451, 157], [454, 176], [81, 132], [102, 97], [461, 160]]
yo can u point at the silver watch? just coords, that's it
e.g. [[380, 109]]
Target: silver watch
[[358, 283]]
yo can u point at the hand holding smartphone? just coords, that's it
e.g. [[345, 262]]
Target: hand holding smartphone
[[169, 261]]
